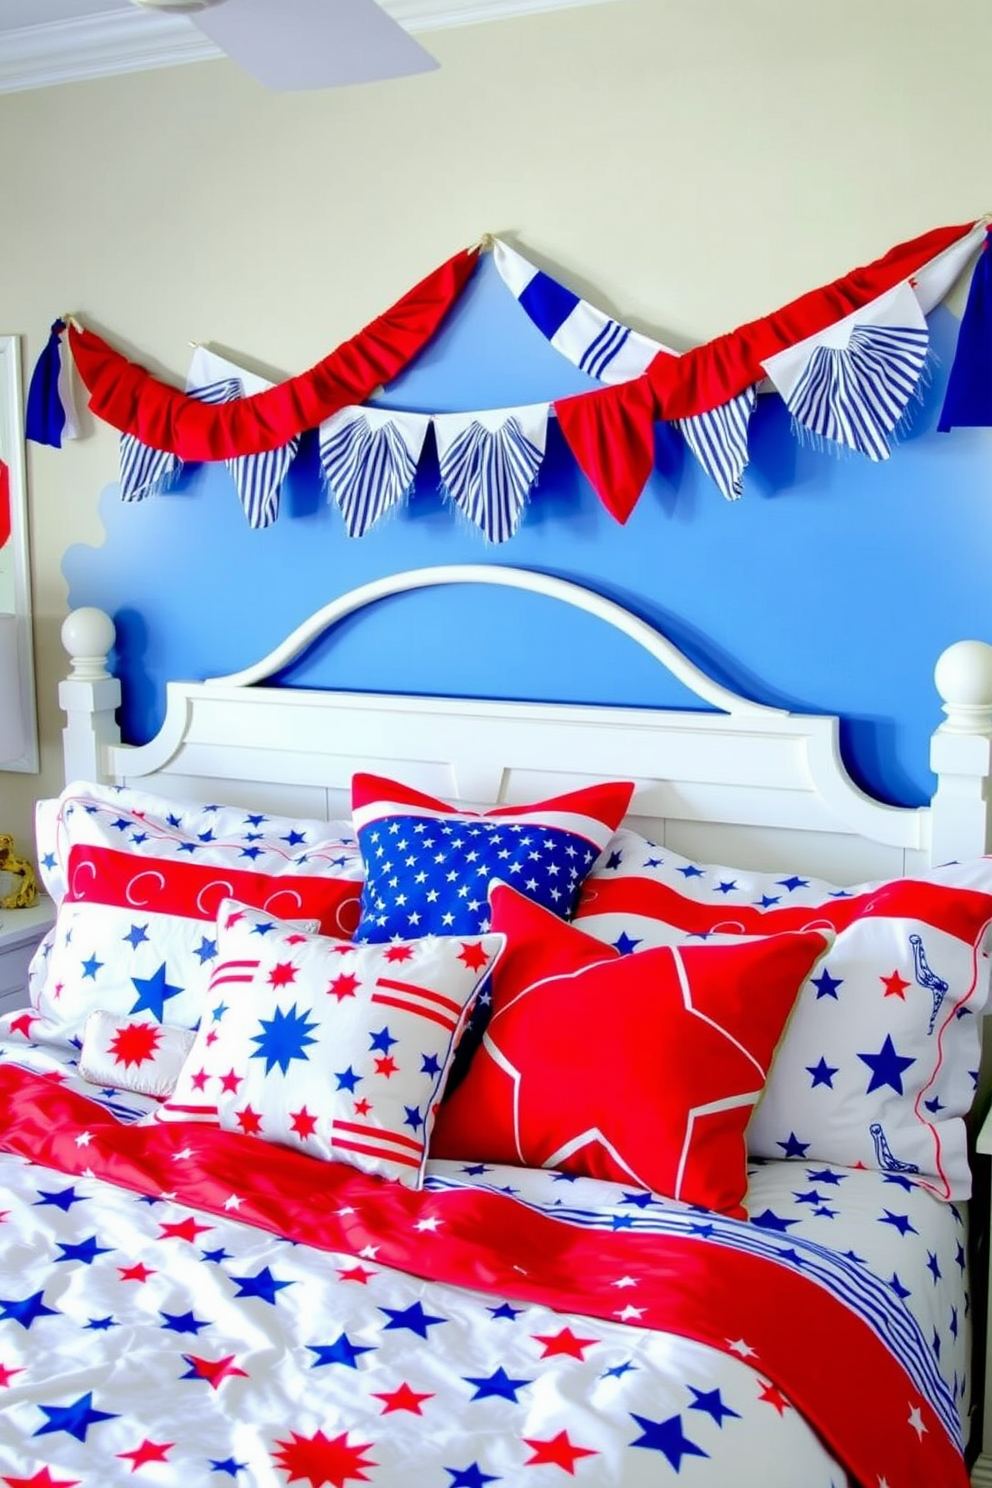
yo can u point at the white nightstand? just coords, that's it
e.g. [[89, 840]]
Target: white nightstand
[[20, 932]]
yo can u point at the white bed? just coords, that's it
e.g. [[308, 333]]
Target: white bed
[[736, 783]]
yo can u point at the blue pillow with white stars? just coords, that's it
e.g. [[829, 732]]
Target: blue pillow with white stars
[[138, 880], [879, 1063], [428, 866]]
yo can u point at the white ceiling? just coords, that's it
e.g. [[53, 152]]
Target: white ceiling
[[44, 42]]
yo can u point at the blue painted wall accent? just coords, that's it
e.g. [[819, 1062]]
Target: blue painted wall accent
[[831, 586]]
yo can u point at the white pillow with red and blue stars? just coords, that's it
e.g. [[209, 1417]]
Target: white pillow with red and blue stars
[[336, 1049], [138, 880], [428, 865], [879, 1063]]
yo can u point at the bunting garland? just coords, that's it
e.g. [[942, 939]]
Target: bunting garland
[[847, 359]]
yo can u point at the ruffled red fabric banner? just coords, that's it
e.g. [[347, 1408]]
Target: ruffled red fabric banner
[[132, 400], [611, 431]]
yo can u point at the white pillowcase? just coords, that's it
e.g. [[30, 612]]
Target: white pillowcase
[[138, 880], [879, 1062]]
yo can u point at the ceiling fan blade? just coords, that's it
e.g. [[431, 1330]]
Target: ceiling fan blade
[[293, 44]]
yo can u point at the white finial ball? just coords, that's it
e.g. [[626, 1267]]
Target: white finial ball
[[963, 674], [88, 633]]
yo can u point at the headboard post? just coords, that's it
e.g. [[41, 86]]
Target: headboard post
[[89, 696], [961, 753]]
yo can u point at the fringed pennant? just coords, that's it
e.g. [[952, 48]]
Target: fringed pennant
[[968, 399], [489, 462], [852, 383], [149, 472], [50, 413], [718, 440], [591, 340], [369, 459], [257, 478], [144, 471]]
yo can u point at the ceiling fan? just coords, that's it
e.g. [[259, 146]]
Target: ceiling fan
[[294, 44]]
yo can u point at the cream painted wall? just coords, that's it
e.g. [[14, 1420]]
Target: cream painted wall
[[691, 163]]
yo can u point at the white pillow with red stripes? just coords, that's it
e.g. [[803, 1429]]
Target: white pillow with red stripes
[[138, 880], [879, 1062], [338, 1049]]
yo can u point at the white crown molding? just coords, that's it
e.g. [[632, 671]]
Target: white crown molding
[[117, 41]]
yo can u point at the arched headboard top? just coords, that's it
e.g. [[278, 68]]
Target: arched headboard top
[[747, 784], [565, 591]]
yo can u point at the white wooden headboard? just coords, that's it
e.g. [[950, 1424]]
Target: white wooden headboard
[[749, 785]]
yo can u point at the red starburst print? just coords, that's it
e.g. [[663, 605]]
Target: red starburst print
[[6, 1374], [135, 1044], [343, 986], [322, 1460], [398, 953], [282, 974], [474, 956]]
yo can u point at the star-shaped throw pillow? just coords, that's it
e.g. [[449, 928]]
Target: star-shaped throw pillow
[[639, 1069], [336, 1049]]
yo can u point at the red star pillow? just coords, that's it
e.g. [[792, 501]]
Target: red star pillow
[[639, 1069]]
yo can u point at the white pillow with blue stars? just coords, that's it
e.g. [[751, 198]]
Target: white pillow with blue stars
[[879, 1063], [138, 880], [337, 1049]]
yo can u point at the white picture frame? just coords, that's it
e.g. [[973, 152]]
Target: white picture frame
[[15, 557]]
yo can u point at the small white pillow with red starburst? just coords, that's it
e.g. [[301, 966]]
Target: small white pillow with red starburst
[[124, 1053]]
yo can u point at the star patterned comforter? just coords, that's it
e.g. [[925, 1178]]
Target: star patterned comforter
[[177, 1307]]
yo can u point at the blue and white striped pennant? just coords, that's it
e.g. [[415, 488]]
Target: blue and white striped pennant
[[369, 459], [852, 384], [258, 478], [489, 462], [149, 472], [145, 471], [591, 340], [718, 439]]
